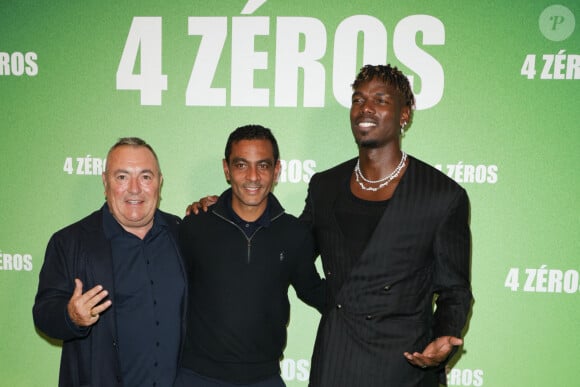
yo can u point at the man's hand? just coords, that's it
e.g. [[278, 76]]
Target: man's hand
[[435, 353], [84, 309], [204, 204]]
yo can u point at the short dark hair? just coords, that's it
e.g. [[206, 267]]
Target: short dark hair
[[251, 132], [133, 141], [390, 75]]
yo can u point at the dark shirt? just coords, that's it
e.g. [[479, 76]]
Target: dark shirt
[[357, 219], [238, 307], [148, 294], [248, 227]]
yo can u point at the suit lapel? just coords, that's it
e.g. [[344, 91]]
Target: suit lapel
[[377, 253]]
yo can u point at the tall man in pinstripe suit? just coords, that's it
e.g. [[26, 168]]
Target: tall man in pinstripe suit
[[393, 235]]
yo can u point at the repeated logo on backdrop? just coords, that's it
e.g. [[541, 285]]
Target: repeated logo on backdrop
[[465, 377], [144, 50], [18, 64], [87, 165], [557, 23], [542, 280], [15, 261], [469, 173]]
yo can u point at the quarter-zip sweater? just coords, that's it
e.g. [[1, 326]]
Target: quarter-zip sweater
[[238, 294]]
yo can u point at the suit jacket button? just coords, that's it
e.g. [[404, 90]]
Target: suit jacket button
[[338, 306], [386, 288], [369, 317]]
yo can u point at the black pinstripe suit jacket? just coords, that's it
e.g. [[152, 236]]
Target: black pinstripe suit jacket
[[418, 256]]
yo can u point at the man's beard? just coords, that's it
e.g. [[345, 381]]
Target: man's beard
[[368, 144]]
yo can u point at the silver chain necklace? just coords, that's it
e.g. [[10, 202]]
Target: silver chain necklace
[[383, 181]]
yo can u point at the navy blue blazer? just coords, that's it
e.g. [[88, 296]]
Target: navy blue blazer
[[81, 250], [418, 256]]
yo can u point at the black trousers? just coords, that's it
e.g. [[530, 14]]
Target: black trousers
[[188, 378]]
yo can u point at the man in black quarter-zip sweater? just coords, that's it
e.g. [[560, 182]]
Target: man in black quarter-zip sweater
[[241, 257]]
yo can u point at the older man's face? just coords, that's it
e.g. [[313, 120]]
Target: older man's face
[[132, 186]]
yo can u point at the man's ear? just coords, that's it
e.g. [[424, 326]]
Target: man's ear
[[405, 115], [104, 178], [226, 168]]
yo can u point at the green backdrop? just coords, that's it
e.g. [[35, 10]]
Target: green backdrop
[[497, 87]]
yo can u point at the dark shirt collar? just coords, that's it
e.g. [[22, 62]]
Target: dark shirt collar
[[113, 229], [262, 221]]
